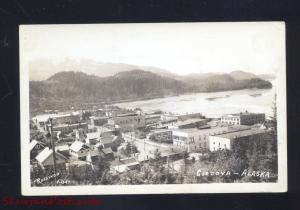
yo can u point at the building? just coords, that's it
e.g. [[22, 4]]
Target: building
[[121, 165], [184, 117], [45, 158], [108, 154], [181, 117], [128, 121], [243, 118], [229, 139], [35, 148], [110, 141], [41, 121], [66, 118], [152, 118], [79, 150], [67, 128], [160, 135], [98, 121], [195, 138], [189, 123], [92, 138]]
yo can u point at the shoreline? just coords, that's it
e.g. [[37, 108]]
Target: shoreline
[[188, 93]]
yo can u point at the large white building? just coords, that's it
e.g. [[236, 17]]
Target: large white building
[[243, 118], [229, 139], [195, 138]]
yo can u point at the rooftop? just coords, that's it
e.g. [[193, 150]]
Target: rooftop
[[107, 150], [33, 143], [213, 129], [108, 139], [98, 118], [45, 117], [160, 130], [241, 114], [78, 145], [126, 161], [241, 133], [93, 135], [127, 115], [188, 121], [43, 155]]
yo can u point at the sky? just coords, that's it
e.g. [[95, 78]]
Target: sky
[[180, 48]]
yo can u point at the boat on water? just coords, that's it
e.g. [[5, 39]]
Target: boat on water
[[255, 95], [213, 98]]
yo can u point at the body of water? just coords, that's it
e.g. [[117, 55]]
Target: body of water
[[211, 104]]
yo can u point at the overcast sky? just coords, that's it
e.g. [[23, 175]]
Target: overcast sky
[[180, 48]]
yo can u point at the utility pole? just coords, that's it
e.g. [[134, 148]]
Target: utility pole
[[53, 149]]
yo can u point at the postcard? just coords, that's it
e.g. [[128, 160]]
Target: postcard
[[153, 108]]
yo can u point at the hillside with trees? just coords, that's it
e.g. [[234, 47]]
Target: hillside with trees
[[75, 88]]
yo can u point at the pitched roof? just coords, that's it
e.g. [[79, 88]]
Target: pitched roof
[[33, 143], [78, 145], [43, 155]]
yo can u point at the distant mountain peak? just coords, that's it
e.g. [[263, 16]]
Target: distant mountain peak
[[242, 75]]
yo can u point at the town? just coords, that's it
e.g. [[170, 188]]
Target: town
[[110, 145]]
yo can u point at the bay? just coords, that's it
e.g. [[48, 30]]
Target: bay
[[213, 104]]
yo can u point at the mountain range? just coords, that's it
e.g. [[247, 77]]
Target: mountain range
[[69, 88], [42, 69]]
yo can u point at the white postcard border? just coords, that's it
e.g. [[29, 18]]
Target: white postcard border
[[28, 190]]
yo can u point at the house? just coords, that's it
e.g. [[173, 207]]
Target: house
[[91, 129], [79, 150], [92, 138], [160, 135], [35, 148], [108, 153], [121, 165], [228, 140], [243, 118], [45, 158], [111, 141]]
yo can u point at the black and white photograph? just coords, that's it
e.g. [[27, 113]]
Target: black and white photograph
[[153, 108]]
